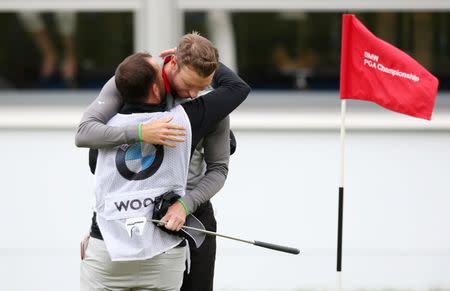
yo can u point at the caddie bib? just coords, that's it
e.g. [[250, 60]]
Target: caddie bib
[[129, 178]]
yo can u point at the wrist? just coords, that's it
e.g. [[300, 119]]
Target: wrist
[[185, 207], [140, 131]]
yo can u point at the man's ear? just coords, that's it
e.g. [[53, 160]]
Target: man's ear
[[155, 90], [174, 61], [155, 94]]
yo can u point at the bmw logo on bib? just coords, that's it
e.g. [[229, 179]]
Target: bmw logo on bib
[[139, 161]]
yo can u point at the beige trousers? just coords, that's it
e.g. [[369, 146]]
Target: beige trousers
[[160, 273]]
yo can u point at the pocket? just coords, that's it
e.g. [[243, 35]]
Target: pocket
[[96, 251], [176, 252], [83, 246]]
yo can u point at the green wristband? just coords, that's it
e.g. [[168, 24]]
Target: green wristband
[[140, 131], [184, 205]]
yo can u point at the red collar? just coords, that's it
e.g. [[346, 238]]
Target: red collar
[[164, 76]]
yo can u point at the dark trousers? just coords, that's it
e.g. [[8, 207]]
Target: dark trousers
[[201, 276]]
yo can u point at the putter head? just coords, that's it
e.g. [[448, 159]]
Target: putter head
[[196, 236], [135, 225]]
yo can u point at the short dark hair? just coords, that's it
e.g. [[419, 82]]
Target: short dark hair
[[197, 53], [134, 75]]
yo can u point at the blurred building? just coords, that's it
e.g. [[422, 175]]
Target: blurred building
[[282, 45]]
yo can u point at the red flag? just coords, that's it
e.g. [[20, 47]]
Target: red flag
[[374, 70]]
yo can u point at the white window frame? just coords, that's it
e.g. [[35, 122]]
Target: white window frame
[[315, 5]]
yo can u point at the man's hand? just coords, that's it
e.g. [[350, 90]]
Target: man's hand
[[162, 132], [175, 217], [168, 52]]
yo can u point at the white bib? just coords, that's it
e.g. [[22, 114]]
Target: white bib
[[129, 178]]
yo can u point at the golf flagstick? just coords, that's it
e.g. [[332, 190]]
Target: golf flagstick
[[341, 199], [253, 242]]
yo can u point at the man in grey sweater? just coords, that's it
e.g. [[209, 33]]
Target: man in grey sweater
[[209, 163]]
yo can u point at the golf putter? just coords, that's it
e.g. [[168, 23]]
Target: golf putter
[[266, 245]]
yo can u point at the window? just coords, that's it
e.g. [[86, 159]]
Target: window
[[299, 50], [98, 41]]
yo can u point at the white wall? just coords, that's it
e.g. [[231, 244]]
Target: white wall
[[396, 217], [282, 188]]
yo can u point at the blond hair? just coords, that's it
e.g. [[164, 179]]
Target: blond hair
[[197, 53]]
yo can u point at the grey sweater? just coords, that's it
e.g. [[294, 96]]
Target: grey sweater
[[209, 163]]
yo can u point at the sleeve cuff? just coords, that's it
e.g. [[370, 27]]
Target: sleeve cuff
[[189, 203], [186, 208]]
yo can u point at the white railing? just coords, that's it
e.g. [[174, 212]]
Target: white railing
[[266, 111], [315, 5]]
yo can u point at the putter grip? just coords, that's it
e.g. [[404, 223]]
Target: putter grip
[[277, 247]]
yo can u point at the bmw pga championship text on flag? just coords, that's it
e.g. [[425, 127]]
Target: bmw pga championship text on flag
[[374, 70]]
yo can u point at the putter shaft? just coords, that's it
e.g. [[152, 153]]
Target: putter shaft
[[256, 243]]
